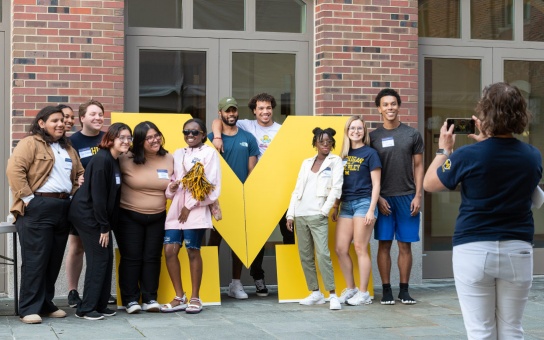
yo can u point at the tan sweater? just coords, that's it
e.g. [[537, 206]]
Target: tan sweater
[[143, 185]]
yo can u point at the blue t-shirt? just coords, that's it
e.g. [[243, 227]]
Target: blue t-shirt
[[237, 150], [498, 177], [86, 146], [357, 167]]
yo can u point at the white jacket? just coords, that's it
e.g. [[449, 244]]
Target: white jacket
[[330, 178]]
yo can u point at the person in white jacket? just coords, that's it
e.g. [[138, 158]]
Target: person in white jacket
[[319, 185]]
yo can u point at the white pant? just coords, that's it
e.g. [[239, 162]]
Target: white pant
[[493, 279]]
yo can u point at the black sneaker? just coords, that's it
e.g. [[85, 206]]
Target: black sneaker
[[387, 296], [94, 315], [261, 288], [112, 300], [405, 297], [73, 298], [107, 312]]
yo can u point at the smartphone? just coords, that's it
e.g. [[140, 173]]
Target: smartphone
[[461, 126]]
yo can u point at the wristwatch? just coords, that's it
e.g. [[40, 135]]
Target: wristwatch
[[443, 152]]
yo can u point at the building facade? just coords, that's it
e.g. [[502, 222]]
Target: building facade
[[321, 57]]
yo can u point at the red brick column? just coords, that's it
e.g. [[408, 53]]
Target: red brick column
[[66, 51], [361, 47]]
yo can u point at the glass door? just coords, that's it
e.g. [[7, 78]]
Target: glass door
[[177, 75], [524, 68], [190, 75], [451, 80]]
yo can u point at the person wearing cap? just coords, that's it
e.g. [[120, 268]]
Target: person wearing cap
[[264, 129], [240, 151]]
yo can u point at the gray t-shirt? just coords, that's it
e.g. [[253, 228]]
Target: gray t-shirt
[[396, 148]]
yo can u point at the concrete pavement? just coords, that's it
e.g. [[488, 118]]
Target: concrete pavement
[[436, 315]]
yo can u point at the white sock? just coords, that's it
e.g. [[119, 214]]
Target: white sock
[[235, 281], [331, 295]]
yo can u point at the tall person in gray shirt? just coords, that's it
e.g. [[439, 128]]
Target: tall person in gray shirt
[[400, 148]]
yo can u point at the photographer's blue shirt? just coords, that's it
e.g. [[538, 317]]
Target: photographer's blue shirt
[[497, 177]]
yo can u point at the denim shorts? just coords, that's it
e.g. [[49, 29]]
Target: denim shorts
[[192, 237], [356, 208]]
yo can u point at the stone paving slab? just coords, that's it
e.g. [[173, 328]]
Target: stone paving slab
[[436, 316]]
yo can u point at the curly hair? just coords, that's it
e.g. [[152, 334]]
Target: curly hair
[[385, 93], [502, 110], [261, 97], [319, 133]]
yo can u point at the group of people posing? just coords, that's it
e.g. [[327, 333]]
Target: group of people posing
[[119, 181]]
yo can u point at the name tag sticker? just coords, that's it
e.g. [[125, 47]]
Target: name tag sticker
[[68, 164], [162, 174], [117, 179], [85, 152], [388, 142]]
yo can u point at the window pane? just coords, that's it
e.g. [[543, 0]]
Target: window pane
[[533, 19], [173, 82], [161, 14], [452, 89], [219, 15], [527, 76], [491, 19], [273, 73], [280, 16], [439, 21]]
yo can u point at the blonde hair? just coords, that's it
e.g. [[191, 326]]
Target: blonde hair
[[346, 143]]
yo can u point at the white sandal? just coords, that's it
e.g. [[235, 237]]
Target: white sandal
[[168, 308], [194, 307]]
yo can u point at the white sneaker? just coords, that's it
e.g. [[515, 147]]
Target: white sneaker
[[315, 298], [236, 290], [360, 299], [133, 307], [334, 303], [151, 306], [347, 293]]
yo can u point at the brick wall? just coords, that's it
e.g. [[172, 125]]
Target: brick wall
[[361, 47], [66, 51]]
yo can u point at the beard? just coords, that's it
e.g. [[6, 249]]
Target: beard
[[226, 121]]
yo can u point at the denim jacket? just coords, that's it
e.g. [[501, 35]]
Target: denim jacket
[[330, 178]]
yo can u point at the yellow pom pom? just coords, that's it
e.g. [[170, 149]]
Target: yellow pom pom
[[196, 183]]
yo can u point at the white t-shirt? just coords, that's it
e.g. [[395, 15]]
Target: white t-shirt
[[263, 134]]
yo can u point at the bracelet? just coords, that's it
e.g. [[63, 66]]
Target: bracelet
[[217, 138]]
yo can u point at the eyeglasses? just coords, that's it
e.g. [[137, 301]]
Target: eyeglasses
[[356, 128], [192, 132], [325, 142], [149, 139], [125, 139]]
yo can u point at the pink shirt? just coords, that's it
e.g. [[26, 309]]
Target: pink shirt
[[200, 216]]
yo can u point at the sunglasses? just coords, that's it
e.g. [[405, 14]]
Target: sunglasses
[[192, 132]]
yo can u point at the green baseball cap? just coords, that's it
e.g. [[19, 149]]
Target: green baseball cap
[[227, 102]]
